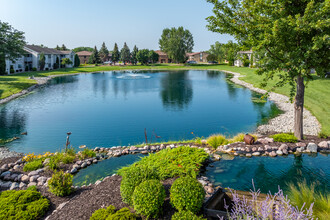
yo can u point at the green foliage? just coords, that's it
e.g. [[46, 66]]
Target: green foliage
[[60, 184], [230, 50], [32, 188], [305, 195], [94, 58], [71, 151], [33, 165], [132, 177], [76, 60], [63, 48], [65, 158], [34, 69], [125, 54], [87, 153], [322, 135], [148, 198], [42, 61], [212, 57], [285, 137], [176, 42], [168, 163], [143, 56], [66, 61], [122, 214], [187, 193], [216, 140], [103, 214], [22, 204], [115, 54], [246, 61], [238, 138], [217, 52], [186, 215], [134, 55], [104, 52], [79, 49], [153, 56], [3, 64]]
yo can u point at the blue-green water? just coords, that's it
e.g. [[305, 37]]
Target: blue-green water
[[113, 108], [269, 173]]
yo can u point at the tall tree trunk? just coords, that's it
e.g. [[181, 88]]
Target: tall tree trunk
[[298, 108]]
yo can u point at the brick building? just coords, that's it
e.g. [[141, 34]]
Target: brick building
[[163, 58], [84, 56]]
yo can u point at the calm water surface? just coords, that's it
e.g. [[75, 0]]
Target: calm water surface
[[113, 108]]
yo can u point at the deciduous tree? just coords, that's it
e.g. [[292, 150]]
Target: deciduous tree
[[153, 56], [143, 56], [218, 50], [295, 36], [66, 61], [176, 42]]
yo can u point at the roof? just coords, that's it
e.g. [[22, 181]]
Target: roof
[[45, 50], [84, 53], [161, 53]]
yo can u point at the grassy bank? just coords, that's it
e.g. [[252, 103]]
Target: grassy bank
[[316, 97]]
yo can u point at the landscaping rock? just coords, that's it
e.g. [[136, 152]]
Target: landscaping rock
[[133, 148], [47, 161], [285, 151], [6, 184], [34, 178], [95, 161], [279, 152], [74, 170], [96, 149], [209, 189], [22, 185], [42, 179], [14, 186], [5, 167], [248, 155], [32, 184], [203, 182], [256, 154], [98, 182], [19, 177], [16, 167], [267, 147], [76, 166], [33, 173], [269, 140], [272, 154], [83, 165], [261, 148], [146, 147], [144, 152], [324, 144], [312, 147], [300, 144], [283, 146], [25, 178]]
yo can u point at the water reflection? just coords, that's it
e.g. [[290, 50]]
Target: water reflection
[[176, 90], [11, 123]]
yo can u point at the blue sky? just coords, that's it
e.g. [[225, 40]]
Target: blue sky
[[88, 23]]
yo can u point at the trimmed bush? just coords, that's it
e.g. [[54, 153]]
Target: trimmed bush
[[187, 193], [186, 215], [60, 184], [87, 153], [284, 137], [33, 165], [123, 214], [22, 204], [103, 214], [132, 178], [216, 140], [148, 198]]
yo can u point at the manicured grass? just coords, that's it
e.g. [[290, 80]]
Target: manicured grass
[[316, 96]]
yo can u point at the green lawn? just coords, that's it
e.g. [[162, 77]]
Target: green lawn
[[317, 96]]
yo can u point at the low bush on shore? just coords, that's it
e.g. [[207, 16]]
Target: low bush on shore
[[110, 213], [102, 214], [285, 137], [33, 165], [22, 204], [185, 215], [217, 140], [61, 183], [87, 153]]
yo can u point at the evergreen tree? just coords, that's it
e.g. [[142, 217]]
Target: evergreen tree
[[143, 56], [125, 54], [42, 61], [95, 57], [57, 47], [2, 64], [64, 47], [76, 60], [134, 55], [104, 53], [115, 54]]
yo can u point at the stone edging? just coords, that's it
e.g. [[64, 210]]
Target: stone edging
[[285, 121]]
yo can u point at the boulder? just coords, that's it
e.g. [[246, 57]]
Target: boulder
[[144, 152], [74, 170], [209, 189], [47, 161], [17, 167], [19, 177], [256, 154], [96, 149], [146, 147], [324, 144], [269, 140], [203, 182], [6, 184], [283, 146], [272, 154], [25, 178], [13, 186], [33, 173], [300, 144], [248, 155], [32, 184], [5, 167], [76, 166], [279, 152], [132, 148], [22, 185], [312, 147], [267, 147], [34, 178], [4, 174], [254, 149], [83, 165], [98, 182], [261, 148], [285, 151], [42, 179]]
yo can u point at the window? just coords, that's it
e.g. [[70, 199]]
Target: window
[[49, 65], [49, 56]]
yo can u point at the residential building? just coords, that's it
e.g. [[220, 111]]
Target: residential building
[[84, 56], [163, 57], [199, 57], [30, 59], [240, 54]]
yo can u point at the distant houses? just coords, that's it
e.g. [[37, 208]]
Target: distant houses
[[199, 57], [240, 58], [84, 56], [30, 59]]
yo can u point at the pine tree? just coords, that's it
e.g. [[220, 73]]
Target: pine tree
[[76, 60], [58, 47], [134, 55], [125, 54], [95, 57], [64, 47], [104, 53], [115, 54], [42, 60]]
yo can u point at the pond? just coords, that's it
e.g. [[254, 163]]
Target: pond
[[113, 108]]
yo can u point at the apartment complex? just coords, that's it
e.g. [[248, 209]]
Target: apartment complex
[[199, 57]]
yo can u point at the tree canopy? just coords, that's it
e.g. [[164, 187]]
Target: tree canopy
[[76, 60], [104, 52], [42, 61], [125, 54], [153, 56], [94, 57], [176, 42], [78, 49], [66, 61], [293, 37], [115, 54], [12, 42], [134, 55], [143, 56]]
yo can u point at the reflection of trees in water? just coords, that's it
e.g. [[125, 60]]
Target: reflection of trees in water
[[176, 90], [63, 80], [12, 124], [100, 83]]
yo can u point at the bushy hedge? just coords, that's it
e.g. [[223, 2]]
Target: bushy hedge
[[60, 184], [103, 214], [22, 204], [186, 215], [148, 198], [285, 137], [132, 178], [187, 193], [33, 165]]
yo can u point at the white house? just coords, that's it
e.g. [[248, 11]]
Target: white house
[[30, 59], [239, 62]]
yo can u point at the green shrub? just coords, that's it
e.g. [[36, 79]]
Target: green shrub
[[168, 163], [87, 153], [103, 214], [65, 158], [123, 214], [305, 195], [148, 198], [132, 178], [187, 193], [60, 184], [32, 188], [34, 69], [33, 165], [71, 151], [238, 138], [322, 135], [185, 215], [284, 137], [216, 140], [22, 204]]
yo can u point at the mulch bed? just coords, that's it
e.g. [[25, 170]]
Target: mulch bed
[[9, 160]]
